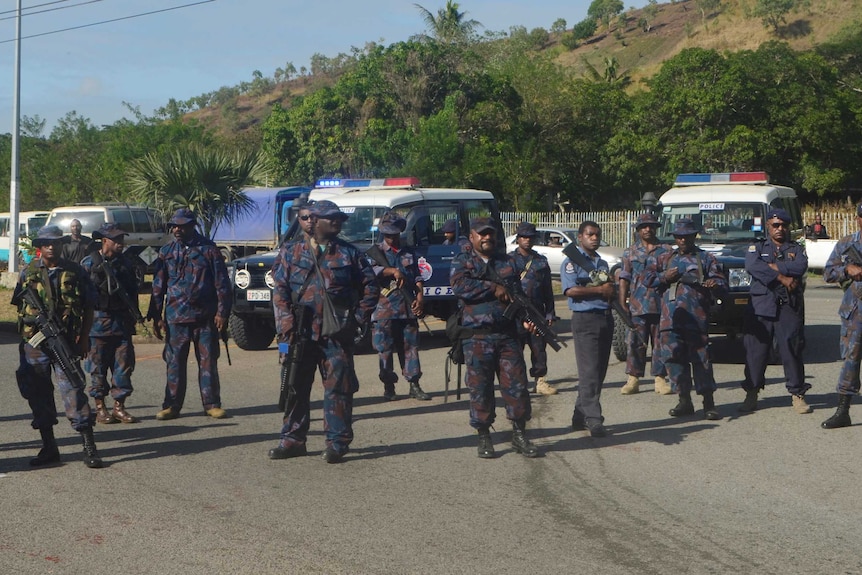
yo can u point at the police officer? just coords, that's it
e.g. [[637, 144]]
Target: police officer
[[68, 294], [307, 271], [306, 220], [841, 268], [395, 326], [535, 275], [478, 277], [644, 305], [75, 245], [111, 344], [685, 278], [191, 303], [587, 283], [777, 266], [449, 230]]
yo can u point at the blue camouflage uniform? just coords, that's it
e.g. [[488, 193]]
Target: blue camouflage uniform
[[592, 333], [645, 307], [775, 313], [350, 284], [190, 287], [493, 347], [849, 312], [684, 324], [394, 325], [111, 344], [71, 296], [535, 275]]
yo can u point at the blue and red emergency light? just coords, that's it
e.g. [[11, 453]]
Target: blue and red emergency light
[[387, 182], [728, 178]]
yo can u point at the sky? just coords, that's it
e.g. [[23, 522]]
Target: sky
[[189, 51]]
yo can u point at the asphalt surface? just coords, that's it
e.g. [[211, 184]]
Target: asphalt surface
[[769, 492]]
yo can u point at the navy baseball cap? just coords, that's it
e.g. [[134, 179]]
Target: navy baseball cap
[[448, 227], [778, 213], [182, 217], [684, 227], [526, 230], [110, 231], [47, 235], [328, 210], [483, 224], [391, 223]]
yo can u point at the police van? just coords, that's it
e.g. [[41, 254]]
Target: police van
[[425, 209]]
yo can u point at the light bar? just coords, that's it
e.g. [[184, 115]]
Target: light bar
[[731, 177], [377, 183]]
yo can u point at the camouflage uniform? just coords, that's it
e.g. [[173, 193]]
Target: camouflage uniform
[[684, 323], [851, 318], [494, 346], [535, 275], [349, 279], [190, 287], [645, 307], [394, 325], [111, 344]]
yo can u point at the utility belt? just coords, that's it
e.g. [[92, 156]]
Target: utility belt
[[596, 311]]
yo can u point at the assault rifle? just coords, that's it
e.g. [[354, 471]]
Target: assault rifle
[[597, 278], [854, 256], [377, 255], [295, 354], [116, 288], [51, 337]]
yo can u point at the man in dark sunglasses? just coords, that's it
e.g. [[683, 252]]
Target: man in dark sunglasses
[[306, 220], [776, 311]]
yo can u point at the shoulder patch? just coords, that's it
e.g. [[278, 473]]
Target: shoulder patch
[[570, 268], [752, 248]]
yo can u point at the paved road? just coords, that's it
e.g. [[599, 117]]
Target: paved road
[[769, 492]]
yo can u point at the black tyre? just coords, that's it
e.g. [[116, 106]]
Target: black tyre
[[621, 332], [250, 333]]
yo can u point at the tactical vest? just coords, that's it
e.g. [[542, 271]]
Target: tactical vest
[[67, 305], [106, 301]]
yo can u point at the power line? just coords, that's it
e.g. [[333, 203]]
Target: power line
[[109, 21], [35, 6], [50, 9]]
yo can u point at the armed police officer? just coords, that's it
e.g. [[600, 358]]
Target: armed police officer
[[535, 275], [644, 304], [587, 284], [481, 277], [191, 303], [686, 279], [57, 292], [845, 267], [324, 289], [395, 324], [116, 312], [776, 311]]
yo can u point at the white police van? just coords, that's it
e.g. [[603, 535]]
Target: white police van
[[365, 201]]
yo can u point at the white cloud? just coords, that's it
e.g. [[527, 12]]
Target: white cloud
[[89, 86]]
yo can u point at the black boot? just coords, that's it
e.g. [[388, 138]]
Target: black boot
[[49, 453], [520, 443], [709, 410], [91, 456], [486, 446], [417, 393], [389, 392], [841, 417], [684, 407], [750, 403]]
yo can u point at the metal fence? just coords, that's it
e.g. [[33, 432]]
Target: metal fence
[[617, 225]]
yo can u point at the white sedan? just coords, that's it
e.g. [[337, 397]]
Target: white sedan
[[550, 243]]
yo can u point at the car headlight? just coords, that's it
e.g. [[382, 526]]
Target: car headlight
[[738, 277], [242, 279], [270, 281]]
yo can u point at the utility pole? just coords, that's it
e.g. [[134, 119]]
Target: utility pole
[[14, 200]]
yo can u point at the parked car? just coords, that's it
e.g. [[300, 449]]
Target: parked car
[[551, 241]]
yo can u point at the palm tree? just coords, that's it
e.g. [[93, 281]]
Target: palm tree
[[449, 25], [208, 181]]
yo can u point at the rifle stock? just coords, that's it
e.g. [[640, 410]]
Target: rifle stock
[[572, 252], [375, 253]]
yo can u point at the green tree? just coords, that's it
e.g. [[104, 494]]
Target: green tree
[[707, 8], [559, 26], [449, 25], [605, 10], [772, 12]]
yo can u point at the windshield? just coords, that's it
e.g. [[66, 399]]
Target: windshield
[[90, 220], [361, 226], [719, 222]]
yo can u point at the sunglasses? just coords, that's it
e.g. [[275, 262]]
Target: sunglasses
[[779, 225], [304, 218]]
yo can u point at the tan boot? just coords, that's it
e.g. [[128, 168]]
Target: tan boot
[[632, 385], [102, 415], [217, 413], [800, 406], [120, 414], [543, 387], [662, 387], [168, 413]]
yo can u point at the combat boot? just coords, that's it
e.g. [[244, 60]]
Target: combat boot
[[91, 455], [662, 387], [543, 388], [120, 414], [49, 453], [709, 410], [800, 406], [417, 393], [750, 403], [389, 392], [841, 417], [632, 385], [486, 446], [684, 407], [102, 415], [168, 413], [520, 443]]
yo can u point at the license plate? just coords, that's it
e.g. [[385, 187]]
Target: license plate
[[258, 295]]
